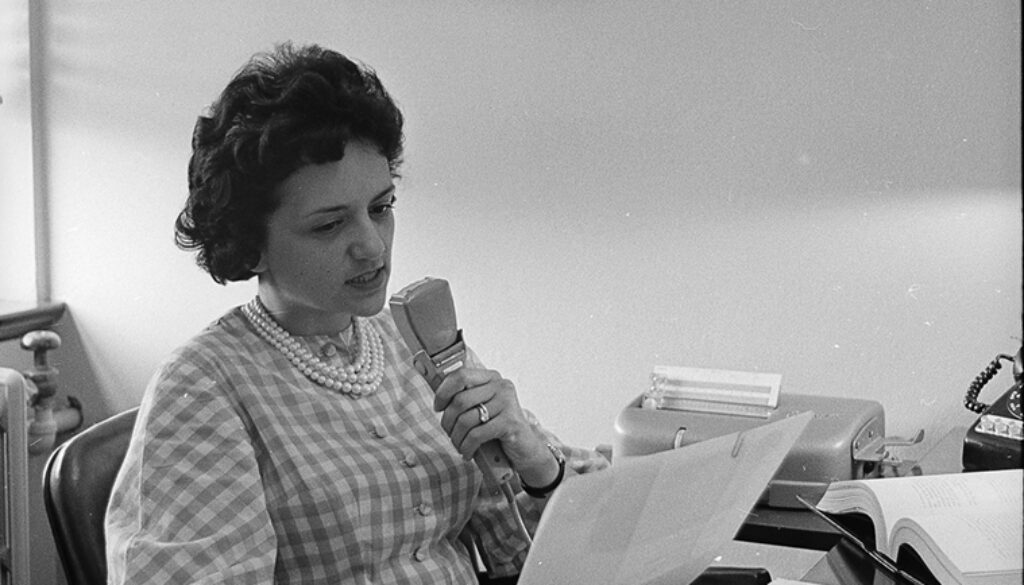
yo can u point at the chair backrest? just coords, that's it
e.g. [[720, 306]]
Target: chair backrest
[[77, 482]]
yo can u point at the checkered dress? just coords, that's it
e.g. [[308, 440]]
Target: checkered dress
[[241, 470]]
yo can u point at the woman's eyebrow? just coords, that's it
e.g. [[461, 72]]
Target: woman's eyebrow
[[385, 193]]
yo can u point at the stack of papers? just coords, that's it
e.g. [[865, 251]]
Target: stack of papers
[[657, 519]]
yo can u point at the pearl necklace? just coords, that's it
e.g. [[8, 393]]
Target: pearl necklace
[[361, 377]]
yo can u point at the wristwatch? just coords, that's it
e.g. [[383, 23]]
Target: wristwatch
[[542, 492]]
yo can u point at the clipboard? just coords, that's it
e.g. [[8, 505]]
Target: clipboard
[[660, 518]]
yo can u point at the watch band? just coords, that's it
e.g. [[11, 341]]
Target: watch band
[[542, 492]]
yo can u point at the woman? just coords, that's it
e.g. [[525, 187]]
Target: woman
[[292, 441]]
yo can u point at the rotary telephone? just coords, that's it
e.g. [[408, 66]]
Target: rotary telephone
[[994, 440]]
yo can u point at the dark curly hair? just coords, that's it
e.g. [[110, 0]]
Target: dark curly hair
[[283, 110]]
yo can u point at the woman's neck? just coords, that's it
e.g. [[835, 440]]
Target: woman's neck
[[303, 320]]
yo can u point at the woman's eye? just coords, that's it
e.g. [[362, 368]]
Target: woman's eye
[[383, 209], [327, 227]]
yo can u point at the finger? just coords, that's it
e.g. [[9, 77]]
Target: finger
[[460, 380], [499, 396], [470, 433], [462, 424], [464, 402], [472, 441]]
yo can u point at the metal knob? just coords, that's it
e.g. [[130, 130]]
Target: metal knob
[[42, 374]]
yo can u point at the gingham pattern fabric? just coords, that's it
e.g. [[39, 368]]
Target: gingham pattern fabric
[[241, 470]]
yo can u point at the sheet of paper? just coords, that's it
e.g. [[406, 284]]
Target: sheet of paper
[[658, 518]]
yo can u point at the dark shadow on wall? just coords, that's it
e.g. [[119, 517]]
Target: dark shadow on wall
[[77, 375]]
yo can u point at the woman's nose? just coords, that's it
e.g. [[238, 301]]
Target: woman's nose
[[369, 242]]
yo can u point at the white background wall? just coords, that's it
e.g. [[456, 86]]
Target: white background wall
[[17, 242], [830, 191]]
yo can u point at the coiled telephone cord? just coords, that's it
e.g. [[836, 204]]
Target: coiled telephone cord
[[971, 398]]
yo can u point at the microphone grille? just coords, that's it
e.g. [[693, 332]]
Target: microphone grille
[[430, 312]]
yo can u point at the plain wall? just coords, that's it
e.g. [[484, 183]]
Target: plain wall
[[17, 213], [830, 191]]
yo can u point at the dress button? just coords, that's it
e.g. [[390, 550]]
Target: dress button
[[409, 459], [420, 554], [328, 350], [379, 430], [424, 509]]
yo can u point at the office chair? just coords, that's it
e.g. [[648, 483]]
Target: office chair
[[77, 481]]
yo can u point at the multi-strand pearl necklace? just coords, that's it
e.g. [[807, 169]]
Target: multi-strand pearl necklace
[[361, 377]]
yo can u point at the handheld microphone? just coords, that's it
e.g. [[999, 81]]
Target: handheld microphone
[[425, 315]]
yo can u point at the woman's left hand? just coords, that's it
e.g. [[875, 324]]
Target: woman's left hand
[[479, 405]]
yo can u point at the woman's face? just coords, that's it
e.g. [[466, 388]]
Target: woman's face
[[328, 249]]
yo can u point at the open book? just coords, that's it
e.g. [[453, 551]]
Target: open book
[[965, 528]]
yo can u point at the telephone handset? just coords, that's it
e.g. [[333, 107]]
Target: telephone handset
[[995, 439]]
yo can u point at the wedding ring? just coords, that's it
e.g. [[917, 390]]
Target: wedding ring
[[484, 414]]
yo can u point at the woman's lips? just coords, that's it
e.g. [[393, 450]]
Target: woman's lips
[[369, 279]]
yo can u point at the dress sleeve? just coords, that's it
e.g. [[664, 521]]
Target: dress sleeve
[[188, 504], [493, 525]]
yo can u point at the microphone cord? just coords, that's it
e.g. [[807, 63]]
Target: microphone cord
[[510, 495]]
